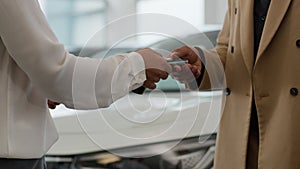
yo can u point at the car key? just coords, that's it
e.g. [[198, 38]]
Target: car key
[[170, 61], [176, 61]]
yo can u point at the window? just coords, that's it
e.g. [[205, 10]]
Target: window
[[191, 11], [75, 21]]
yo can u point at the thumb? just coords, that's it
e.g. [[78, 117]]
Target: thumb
[[182, 51]]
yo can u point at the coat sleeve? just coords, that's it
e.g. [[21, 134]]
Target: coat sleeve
[[81, 83], [215, 60]]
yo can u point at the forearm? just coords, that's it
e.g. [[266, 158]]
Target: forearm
[[106, 80], [82, 83]]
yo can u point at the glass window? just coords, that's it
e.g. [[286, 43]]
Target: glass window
[[75, 21], [191, 11]]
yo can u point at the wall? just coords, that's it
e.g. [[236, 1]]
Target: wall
[[215, 11]]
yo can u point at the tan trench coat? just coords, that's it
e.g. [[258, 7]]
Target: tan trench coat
[[274, 78]]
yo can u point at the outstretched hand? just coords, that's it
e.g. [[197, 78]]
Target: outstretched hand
[[186, 73], [156, 67]]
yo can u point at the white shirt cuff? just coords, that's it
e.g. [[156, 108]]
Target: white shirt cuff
[[138, 70]]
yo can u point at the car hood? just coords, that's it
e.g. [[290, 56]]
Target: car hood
[[154, 117]]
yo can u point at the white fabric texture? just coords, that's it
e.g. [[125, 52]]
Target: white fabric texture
[[34, 66]]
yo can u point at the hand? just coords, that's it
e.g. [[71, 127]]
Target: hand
[[156, 67], [188, 72], [52, 104]]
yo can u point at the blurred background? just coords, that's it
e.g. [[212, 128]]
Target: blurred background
[[76, 21]]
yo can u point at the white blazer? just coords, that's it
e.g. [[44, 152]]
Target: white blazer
[[34, 66]]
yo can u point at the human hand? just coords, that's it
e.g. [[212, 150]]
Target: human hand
[[52, 104], [186, 73], [156, 67]]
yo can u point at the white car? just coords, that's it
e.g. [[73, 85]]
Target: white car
[[170, 127]]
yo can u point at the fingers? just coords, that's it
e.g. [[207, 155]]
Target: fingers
[[196, 71], [164, 75], [154, 60], [156, 67], [187, 72], [52, 104], [186, 53], [153, 76], [149, 84], [180, 52], [166, 67]]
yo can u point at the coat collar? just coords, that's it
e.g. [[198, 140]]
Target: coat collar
[[277, 11]]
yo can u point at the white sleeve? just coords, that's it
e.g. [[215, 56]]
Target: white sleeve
[[81, 83]]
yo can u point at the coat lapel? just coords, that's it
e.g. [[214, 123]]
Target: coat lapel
[[247, 32], [277, 11]]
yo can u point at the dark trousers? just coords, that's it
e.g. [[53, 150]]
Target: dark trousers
[[23, 163], [253, 142]]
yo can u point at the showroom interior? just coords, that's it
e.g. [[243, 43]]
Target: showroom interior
[[170, 127], [149, 84], [75, 22]]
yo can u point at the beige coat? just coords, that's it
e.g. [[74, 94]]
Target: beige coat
[[272, 78]]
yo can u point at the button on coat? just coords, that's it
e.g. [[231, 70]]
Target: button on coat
[[227, 91], [294, 91], [298, 43]]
